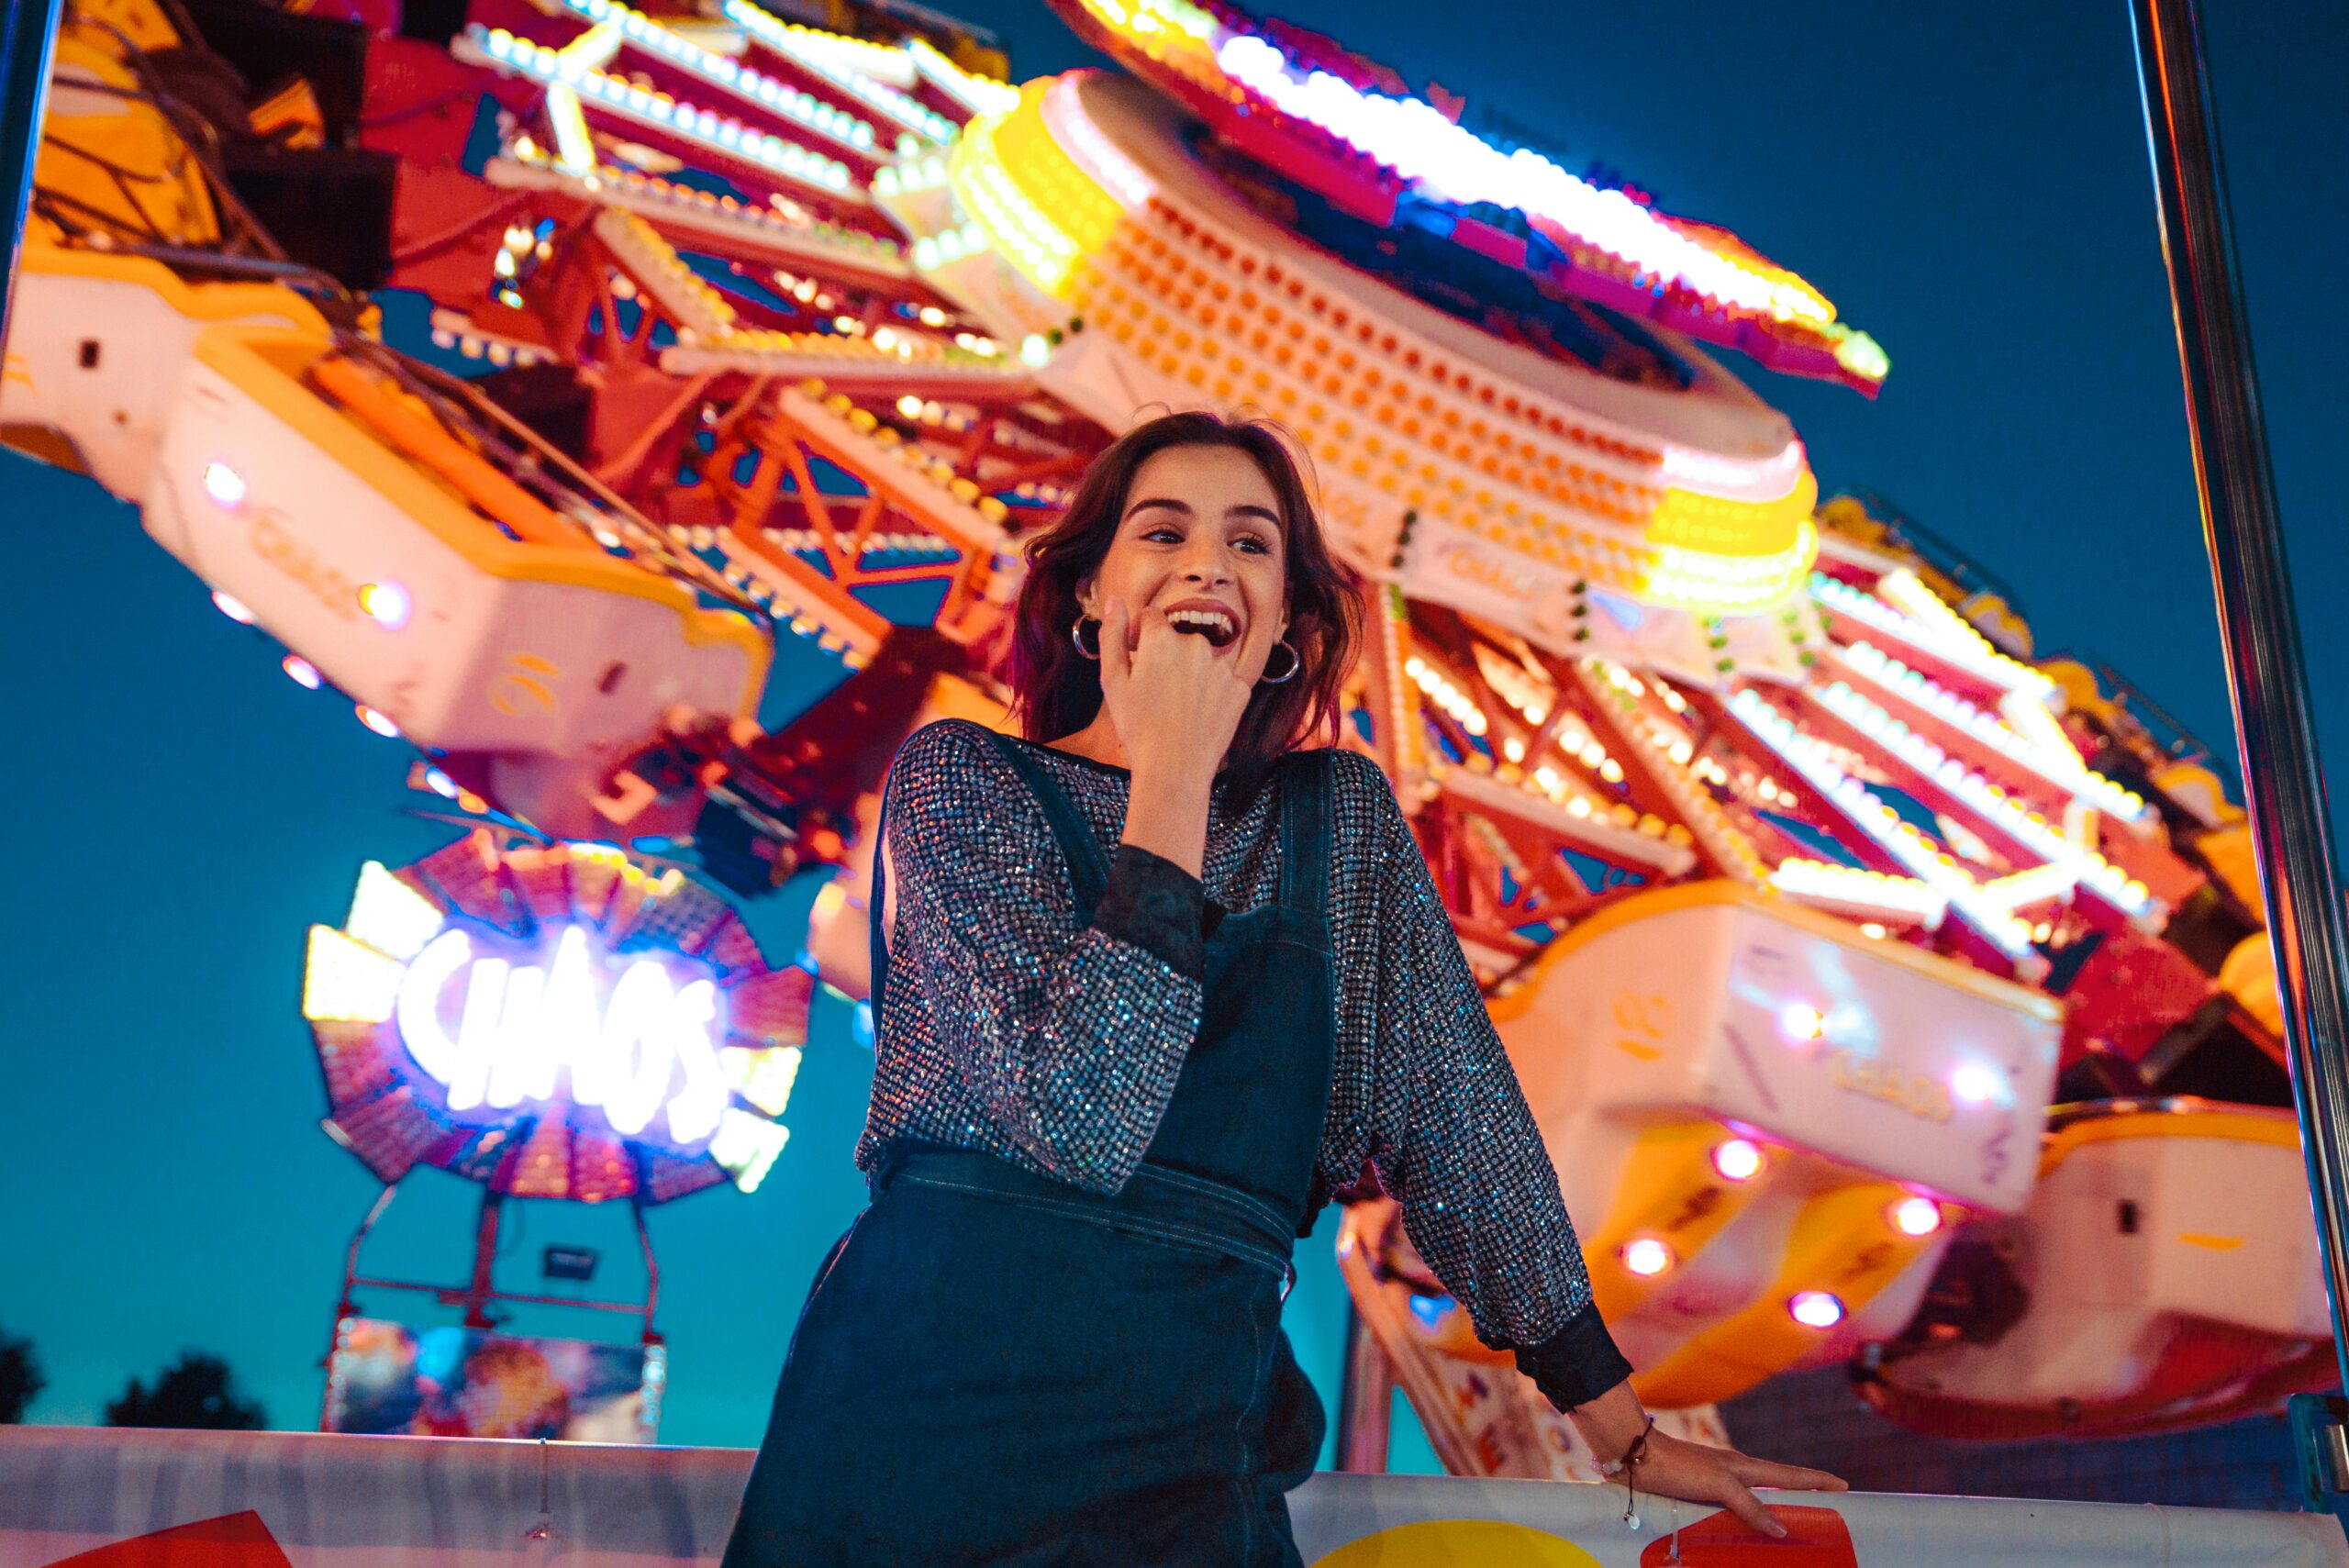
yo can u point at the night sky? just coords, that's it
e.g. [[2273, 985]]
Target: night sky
[[1968, 183]]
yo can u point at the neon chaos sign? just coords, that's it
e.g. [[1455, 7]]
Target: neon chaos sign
[[627, 1040], [554, 1021]]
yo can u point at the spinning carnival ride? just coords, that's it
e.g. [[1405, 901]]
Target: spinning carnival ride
[[1886, 998]]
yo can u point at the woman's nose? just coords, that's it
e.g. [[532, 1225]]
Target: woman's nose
[[1205, 565]]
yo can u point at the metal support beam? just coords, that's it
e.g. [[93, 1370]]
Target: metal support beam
[[2284, 784], [28, 39]]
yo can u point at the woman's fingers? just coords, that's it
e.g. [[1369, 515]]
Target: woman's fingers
[[1783, 1477], [1116, 658], [1747, 1506]]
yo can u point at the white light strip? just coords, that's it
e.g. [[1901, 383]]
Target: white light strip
[[1986, 799], [1970, 654], [1868, 812], [1593, 828], [1082, 140], [980, 94], [693, 307], [682, 207], [790, 42], [575, 148], [808, 112], [2059, 765], [1860, 892], [700, 127], [1906, 592], [2041, 883], [1666, 763], [1422, 144]]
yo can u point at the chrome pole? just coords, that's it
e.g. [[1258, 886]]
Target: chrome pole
[[2283, 782], [28, 39]]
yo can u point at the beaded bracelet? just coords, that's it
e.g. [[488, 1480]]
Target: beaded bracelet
[[1632, 1457]]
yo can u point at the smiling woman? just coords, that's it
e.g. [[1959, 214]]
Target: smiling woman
[[1191, 511], [1106, 1100]]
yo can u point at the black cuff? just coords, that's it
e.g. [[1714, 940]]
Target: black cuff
[[1157, 905], [1577, 1363]]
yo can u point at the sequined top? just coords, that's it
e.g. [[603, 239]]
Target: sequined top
[[1009, 1024]]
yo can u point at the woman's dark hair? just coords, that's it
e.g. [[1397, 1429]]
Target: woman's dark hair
[[1056, 691]]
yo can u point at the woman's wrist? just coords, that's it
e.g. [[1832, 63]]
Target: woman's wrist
[[1612, 1423], [1167, 813]]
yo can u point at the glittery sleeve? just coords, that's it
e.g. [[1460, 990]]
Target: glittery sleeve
[[1451, 1137], [1067, 1036]]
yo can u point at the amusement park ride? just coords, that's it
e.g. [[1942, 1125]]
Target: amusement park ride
[[1888, 996]]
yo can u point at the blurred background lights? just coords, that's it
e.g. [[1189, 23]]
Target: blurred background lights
[[440, 783], [387, 602], [234, 608], [1801, 1021], [1978, 1084], [1816, 1309], [223, 484], [1916, 1217], [378, 723], [304, 673], [1737, 1159], [1647, 1257]]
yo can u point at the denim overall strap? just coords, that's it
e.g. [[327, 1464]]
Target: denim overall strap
[[1305, 839], [1088, 867]]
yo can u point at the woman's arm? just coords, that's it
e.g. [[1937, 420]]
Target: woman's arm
[[1071, 1034], [1454, 1139], [1458, 1146]]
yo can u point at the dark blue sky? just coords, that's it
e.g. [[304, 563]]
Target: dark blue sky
[[1967, 183]]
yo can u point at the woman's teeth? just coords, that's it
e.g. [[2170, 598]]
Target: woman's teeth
[[1217, 628]]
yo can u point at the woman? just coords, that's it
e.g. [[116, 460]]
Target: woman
[[1105, 1102]]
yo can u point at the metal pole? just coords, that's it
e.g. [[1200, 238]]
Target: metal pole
[[2283, 784], [27, 40]]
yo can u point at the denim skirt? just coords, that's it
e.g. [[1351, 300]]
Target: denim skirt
[[994, 1367]]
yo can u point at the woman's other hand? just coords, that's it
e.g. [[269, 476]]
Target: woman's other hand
[[1699, 1472]]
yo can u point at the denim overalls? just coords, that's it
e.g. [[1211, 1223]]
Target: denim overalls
[[996, 1367]]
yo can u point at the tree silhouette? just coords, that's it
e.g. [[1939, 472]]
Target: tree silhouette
[[197, 1391], [20, 1378]]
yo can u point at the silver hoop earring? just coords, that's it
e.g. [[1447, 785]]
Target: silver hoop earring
[[1076, 635], [1296, 663]]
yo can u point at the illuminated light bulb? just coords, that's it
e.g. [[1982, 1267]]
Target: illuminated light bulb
[[303, 671], [1977, 1083], [234, 608], [1801, 1021], [1871, 929], [387, 603], [1816, 1309], [1916, 1217], [1647, 1257], [377, 722], [1738, 1159], [909, 405], [225, 485], [442, 785]]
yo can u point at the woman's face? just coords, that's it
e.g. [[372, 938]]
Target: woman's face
[[1200, 529]]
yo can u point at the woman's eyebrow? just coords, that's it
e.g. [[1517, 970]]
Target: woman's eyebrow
[[1168, 503]]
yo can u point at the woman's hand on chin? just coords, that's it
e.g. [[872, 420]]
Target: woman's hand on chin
[[1175, 699]]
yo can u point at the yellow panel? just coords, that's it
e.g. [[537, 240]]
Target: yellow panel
[[1669, 1191], [1843, 1242]]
